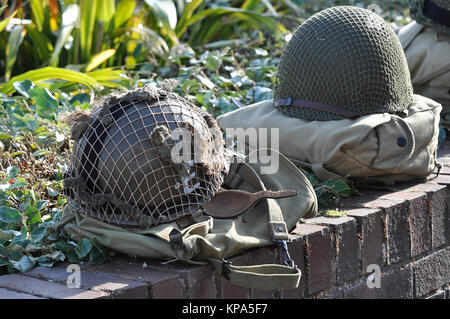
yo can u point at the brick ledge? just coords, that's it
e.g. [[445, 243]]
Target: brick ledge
[[405, 232]]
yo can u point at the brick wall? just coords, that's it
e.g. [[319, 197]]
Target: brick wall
[[406, 233]]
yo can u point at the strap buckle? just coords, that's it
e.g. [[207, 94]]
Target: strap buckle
[[287, 260], [226, 269]]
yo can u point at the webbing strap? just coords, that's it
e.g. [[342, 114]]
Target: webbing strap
[[268, 276], [317, 106]]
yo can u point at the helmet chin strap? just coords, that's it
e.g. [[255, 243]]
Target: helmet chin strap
[[317, 106]]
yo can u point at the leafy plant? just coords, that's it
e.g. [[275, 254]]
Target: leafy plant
[[34, 148]]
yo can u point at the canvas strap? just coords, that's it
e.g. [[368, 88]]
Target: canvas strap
[[269, 276]]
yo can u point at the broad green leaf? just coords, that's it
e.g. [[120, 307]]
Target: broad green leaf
[[83, 248], [68, 22], [40, 153], [48, 73], [5, 22], [38, 14], [9, 215], [99, 58], [105, 11], [88, 10], [12, 172], [14, 41], [40, 41], [80, 98], [24, 87], [124, 12], [98, 254], [46, 104], [48, 260], [213, 62], [187, 14], [8, 234], [165, 13], [96, 257], [24, 264], [207, 82], [38, 233], [152, 41]]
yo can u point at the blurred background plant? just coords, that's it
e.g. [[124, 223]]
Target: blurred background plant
[[57, 56]]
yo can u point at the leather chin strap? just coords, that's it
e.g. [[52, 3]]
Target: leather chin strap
[[317, 106]]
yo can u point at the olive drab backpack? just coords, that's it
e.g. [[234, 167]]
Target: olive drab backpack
[[126, 188], [378, 148]]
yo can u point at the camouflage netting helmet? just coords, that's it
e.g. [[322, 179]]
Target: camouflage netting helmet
[[144, 158], [431, 13], [343, 62]]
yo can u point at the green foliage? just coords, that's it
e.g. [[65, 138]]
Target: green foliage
[[331, 191], [34, 154], [333, 213], [87, 34]]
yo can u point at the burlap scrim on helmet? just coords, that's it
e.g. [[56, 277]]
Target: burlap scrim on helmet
[[432, 13], [123, 168], [343, 58]]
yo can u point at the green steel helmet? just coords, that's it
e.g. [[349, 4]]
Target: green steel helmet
[[143, 158], [343, 62], [431, 13]]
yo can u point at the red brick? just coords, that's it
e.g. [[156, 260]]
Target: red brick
[[370, 237], [445, 169], [440, 218], [345, 243], [439, 199], [115, 285], [419, 225], [318, 259], [394, 284], [440, 294], [432, 272], [395, 215], [260, 256], [231, 291], [197, 281], [441, 179], [296, 250], [9, 294], [43, 288], [419, 219], [163, 283]]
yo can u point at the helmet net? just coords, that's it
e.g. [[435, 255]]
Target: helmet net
[[144, 158], [345, 57]]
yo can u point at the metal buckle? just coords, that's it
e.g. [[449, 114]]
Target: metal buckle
[[287, 260], [226, 269]]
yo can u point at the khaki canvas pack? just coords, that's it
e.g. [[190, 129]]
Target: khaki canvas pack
[[428, 56], [381, 148], [201, 239]]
